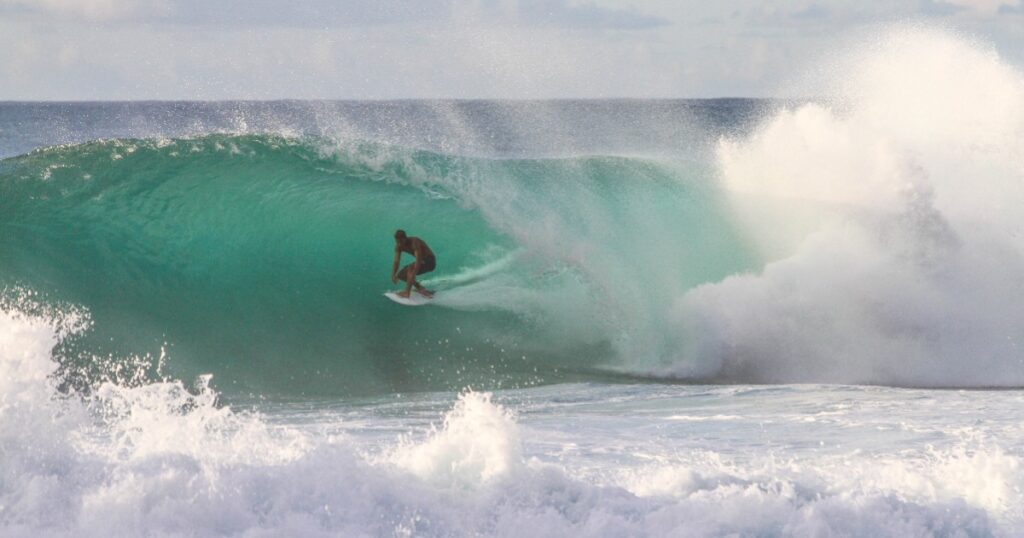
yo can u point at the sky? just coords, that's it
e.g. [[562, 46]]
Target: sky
[[393, 49]]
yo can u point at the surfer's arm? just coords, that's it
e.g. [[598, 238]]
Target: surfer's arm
[[394, 266]]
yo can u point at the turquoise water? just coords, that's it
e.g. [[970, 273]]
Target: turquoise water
[[262, 258]]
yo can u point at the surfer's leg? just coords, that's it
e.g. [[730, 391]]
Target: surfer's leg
[[403, 274], [421, 290], [426, 267]]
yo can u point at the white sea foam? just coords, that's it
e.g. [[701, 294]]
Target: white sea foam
[[477, 444], [161, 459], [910, 272]]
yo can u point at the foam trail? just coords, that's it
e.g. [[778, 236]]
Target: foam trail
[[910, 273], [474, 274]]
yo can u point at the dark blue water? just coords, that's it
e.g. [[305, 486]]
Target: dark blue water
[[500, 128]]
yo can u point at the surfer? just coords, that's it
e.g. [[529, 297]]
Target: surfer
[[425, 263]]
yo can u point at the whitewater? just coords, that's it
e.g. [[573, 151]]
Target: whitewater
[[654, 317]]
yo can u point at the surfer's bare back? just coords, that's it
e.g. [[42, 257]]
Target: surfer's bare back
[[425, 263]]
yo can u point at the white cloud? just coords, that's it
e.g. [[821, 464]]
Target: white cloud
[[65, 61], [220, 49], [983, 7], [88, 9], [343, 13]]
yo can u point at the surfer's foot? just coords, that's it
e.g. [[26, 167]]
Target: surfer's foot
[[404, 294], [425, 292]]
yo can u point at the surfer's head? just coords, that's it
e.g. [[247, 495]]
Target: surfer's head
[[399, 236]]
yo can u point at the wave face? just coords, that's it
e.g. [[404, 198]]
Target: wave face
[[869, 237], [262, 259]]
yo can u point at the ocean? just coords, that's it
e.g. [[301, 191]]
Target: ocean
[[722, 317]]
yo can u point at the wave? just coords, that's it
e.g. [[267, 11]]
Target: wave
[[869, 237], [262, 259]]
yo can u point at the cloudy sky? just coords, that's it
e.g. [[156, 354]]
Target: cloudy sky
[[383, 49]]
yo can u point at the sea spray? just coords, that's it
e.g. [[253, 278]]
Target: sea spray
[[909, 274], [478, 443]]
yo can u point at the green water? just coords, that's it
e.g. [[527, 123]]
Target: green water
[[262, 259]]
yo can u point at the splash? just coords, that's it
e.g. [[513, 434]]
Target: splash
[[477, 444], [165, 459], [908, 271]]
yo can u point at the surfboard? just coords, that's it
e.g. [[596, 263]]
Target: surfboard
[[414, 299]]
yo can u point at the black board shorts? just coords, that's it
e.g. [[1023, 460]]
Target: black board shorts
[[428, 265]]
